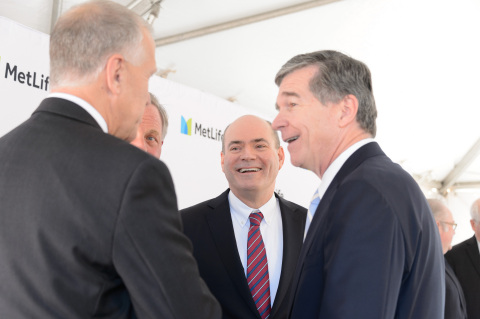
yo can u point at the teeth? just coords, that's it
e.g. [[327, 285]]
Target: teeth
[[291, 139], [243, 170]]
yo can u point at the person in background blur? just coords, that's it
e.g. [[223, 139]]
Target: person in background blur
[[465, 261], [455, 305]]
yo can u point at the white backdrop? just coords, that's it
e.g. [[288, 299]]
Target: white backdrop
[[194, 160]]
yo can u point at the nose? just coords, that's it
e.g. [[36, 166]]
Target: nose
[[279, 122], [248, 153]]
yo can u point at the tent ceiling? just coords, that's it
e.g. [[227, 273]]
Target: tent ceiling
[[423, 56]]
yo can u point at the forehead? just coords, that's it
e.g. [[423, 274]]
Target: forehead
[[248, 130], [151, 116]]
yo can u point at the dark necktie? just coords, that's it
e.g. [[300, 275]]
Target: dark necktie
[[257, 266]]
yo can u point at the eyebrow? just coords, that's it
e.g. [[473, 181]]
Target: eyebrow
[[277, 107]]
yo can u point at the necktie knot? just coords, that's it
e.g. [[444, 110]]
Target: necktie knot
[[255, 218]]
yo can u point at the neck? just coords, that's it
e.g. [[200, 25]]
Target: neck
[[343, 145], [253, 199]]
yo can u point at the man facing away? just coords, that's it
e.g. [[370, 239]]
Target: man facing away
[[455, 305], [371, 249], [247, 240], [152, 129], [89, 225], [465, 261]]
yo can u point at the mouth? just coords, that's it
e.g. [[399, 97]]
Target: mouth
[[248, 170], [291, 139]]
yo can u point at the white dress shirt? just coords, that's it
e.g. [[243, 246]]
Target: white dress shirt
[[330, 173], [272, 234], [84, 105]]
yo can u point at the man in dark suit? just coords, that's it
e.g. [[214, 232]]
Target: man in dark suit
[[465, 261], [219, 228], [371, 248], [89, 225], [455, 305]]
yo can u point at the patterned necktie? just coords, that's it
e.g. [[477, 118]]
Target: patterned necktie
[[257, 266]]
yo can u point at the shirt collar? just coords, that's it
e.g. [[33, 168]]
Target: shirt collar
[[241, 212], [337, 164], [84, 105]]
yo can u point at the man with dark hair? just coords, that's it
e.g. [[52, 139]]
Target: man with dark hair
[[371, 248], [247, 240], [89, 226]]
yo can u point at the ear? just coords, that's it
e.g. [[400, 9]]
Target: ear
[[281, 157], [222, 161], [348, 109], [472, 223], [115, 73]]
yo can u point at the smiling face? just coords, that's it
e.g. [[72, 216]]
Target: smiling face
[[251, 159], [309, 127]]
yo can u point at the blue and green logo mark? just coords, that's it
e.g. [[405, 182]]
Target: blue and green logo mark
[[186, 126]]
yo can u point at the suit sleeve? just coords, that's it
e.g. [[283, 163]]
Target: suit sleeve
[[153, 256], [364, 256]]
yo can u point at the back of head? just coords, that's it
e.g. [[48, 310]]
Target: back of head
[[84, 37], [475, 210], [338, 75]]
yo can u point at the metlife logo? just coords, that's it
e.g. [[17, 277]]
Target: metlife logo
[[24, 77], [200, 129]]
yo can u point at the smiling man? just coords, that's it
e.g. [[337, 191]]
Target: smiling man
[[223, 229], [371, 249]]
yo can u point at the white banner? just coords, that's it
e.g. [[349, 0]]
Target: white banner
[[191, 151]]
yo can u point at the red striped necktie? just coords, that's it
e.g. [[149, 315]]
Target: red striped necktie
[[257, 266]]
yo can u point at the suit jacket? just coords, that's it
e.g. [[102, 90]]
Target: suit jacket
[[465, 261], [209, 227], [372, 249], [89, 226], [455, 305]]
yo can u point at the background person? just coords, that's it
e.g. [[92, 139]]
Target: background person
[[465, 261], [220, 228], [152, 129], [455, 305], [89, 225], [372, 249]]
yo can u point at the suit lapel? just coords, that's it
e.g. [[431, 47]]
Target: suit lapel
[[221, 228], [474, 254], [293, 224], [357, 158]]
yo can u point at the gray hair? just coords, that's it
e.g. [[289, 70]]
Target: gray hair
[[439, 210], [474, 210], [87, 35], [338, 75], [276, 139], [163, 114]]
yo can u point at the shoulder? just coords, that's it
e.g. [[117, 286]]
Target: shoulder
[[285, 204], [195, 212]]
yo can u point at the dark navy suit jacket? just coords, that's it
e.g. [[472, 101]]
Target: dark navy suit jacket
[[372, 249]]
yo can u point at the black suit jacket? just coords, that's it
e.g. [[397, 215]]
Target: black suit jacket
[[89, 226], [455, 305], [465, 261], [209, 227], [372, 249]]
